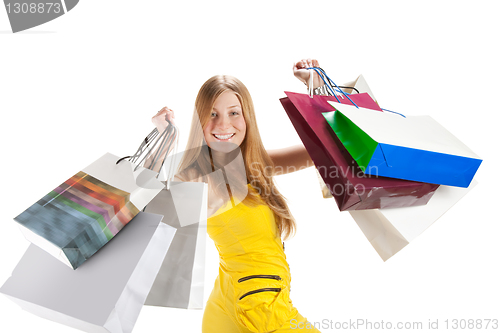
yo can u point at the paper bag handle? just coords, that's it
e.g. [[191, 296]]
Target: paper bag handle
[[168, 136]]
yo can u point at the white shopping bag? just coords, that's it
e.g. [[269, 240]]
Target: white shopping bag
[[361, 87], [180, 281], [107, 292], [389, 230]]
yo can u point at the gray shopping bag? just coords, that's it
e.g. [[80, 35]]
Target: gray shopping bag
[[180, 281]]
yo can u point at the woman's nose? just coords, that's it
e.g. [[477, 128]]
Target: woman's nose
[[224, 122]]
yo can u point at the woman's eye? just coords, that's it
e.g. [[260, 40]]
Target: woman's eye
[[213, 114], [235, 113]]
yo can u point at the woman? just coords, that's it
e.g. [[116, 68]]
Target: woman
[[248, 217]]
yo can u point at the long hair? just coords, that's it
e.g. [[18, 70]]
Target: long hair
[[258, 166]]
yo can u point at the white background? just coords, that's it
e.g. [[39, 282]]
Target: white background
[[90, 81]]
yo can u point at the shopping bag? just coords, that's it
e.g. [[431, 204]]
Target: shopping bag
[[390, 230], [81, 215], [358, 86], [106, 294], [413, 147], [180, 281], [351, 188]]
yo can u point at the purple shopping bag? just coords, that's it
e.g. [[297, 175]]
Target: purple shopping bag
[[351, 188]]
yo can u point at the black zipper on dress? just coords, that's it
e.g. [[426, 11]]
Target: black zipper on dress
[[259, 291], [275, 277]]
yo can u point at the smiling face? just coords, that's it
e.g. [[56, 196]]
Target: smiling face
[[226, 123]]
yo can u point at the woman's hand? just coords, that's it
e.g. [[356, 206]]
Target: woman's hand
[[301, 73], [162, 119]]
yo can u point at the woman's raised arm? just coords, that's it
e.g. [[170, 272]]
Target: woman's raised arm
[[296, 158], [290, 159]]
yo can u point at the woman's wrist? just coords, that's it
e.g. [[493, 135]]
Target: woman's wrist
[[321, 90], [318, 90]]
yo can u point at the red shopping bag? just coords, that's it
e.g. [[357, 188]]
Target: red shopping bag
[[351, 188]]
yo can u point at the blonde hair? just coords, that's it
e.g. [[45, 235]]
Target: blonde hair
[[256, 159]]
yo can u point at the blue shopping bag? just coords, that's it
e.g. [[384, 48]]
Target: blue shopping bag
[[413, 148]]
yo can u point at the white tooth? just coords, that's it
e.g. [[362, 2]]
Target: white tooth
[[223, 137]]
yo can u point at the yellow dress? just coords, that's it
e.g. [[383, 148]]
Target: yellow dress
[[251, 292]]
